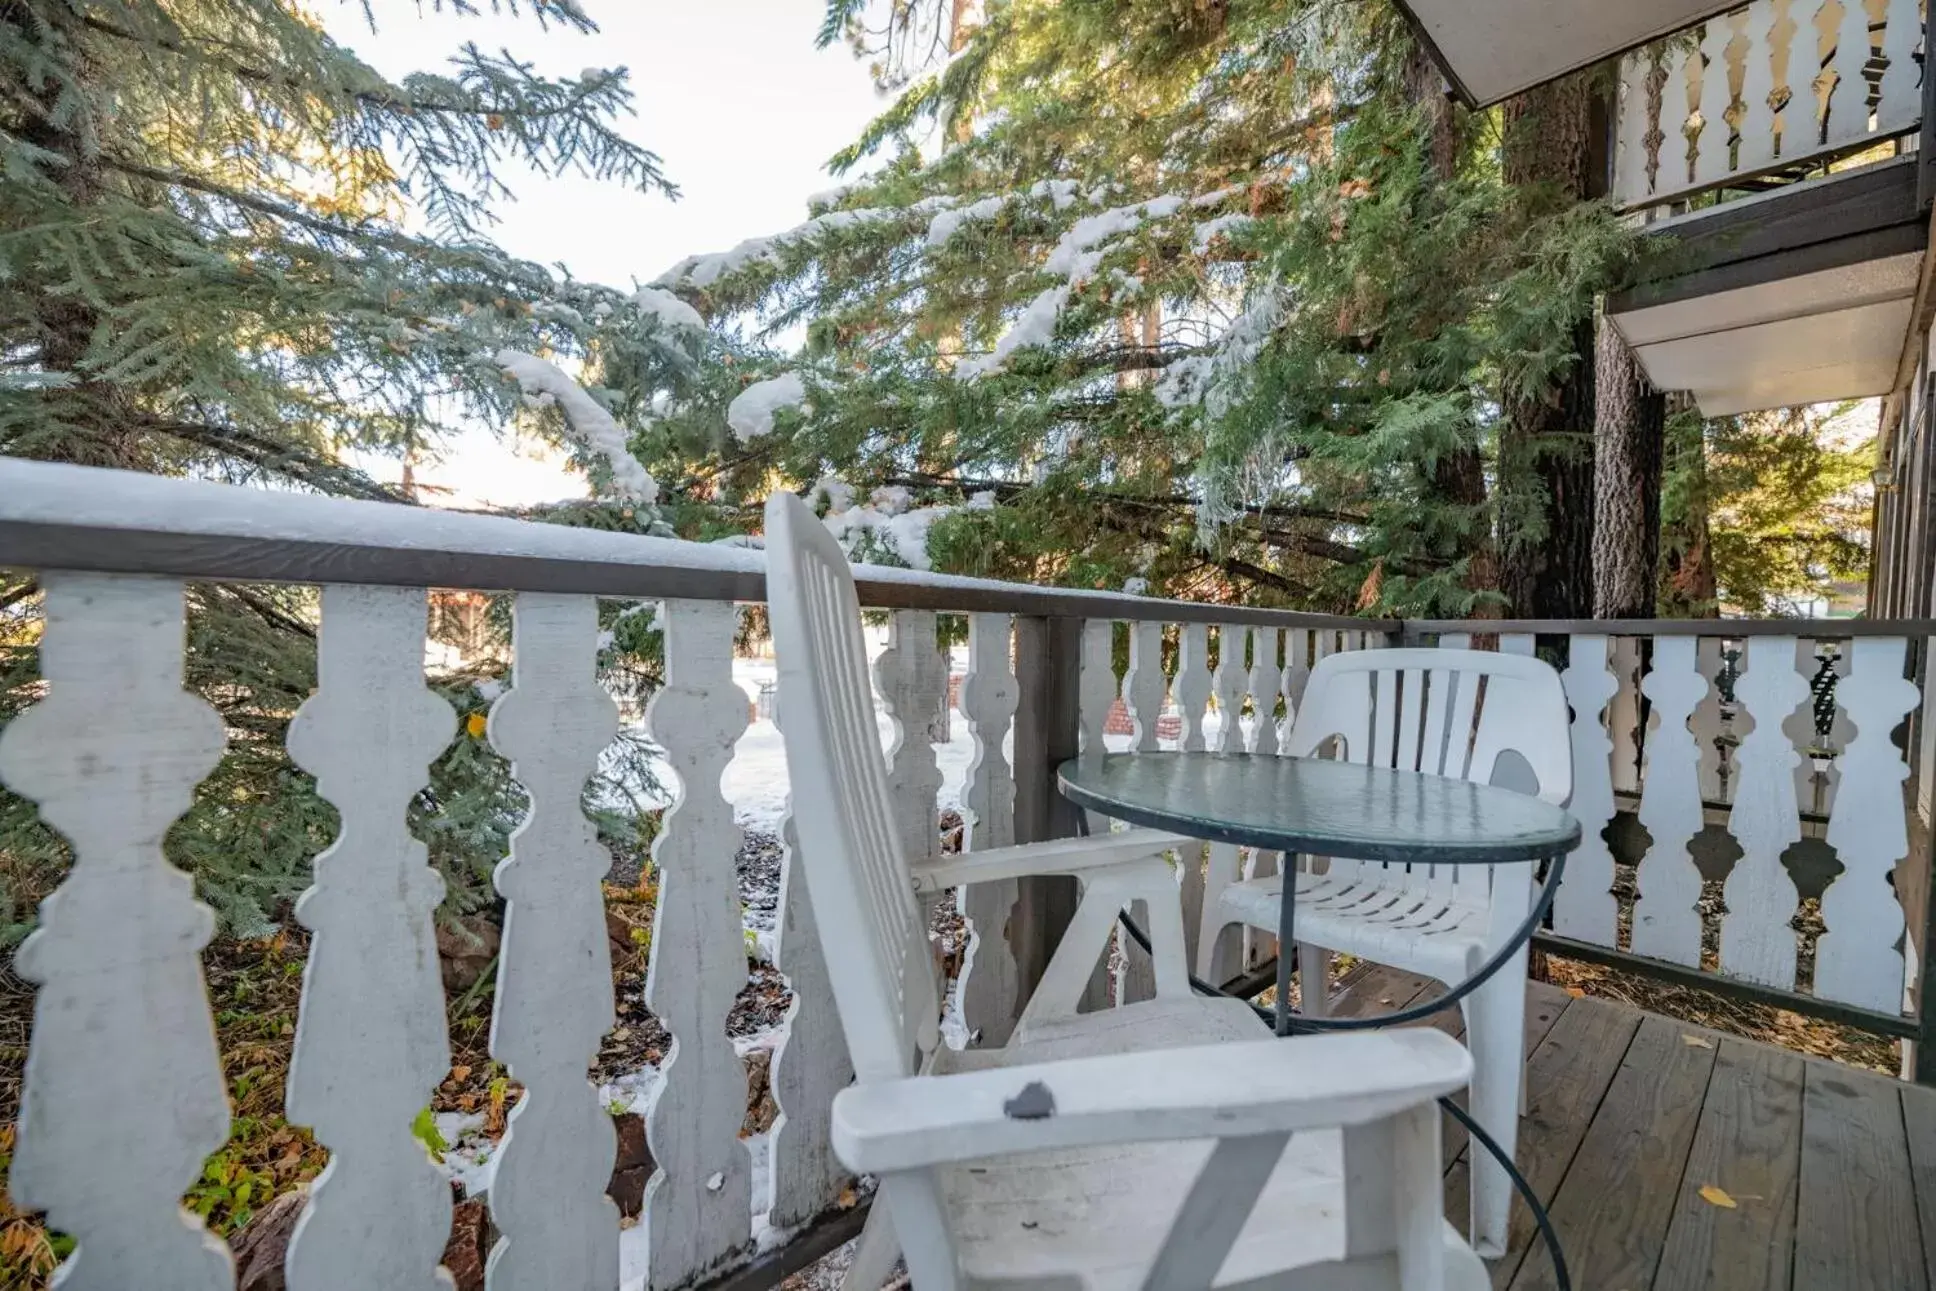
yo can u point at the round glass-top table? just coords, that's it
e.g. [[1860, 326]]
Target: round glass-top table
[[1324, 808]]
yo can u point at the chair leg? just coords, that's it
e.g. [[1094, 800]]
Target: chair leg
[[1495, 1031], [874, 1253], [1314, 980]]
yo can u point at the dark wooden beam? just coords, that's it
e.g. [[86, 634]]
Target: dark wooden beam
[[1807, 227]]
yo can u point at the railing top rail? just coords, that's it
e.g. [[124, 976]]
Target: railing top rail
[[56, 516], [1824, 629]]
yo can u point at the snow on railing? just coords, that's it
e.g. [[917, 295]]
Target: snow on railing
[[114, 750], [1770, 740]]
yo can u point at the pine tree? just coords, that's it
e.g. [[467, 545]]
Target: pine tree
[[229, 248], [1200, 295]]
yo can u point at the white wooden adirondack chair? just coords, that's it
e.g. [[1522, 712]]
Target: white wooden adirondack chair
[[1442, 712], [1075, 1156]]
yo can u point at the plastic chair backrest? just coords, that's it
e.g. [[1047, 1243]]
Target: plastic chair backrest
[[1442, 712], [863, 900]]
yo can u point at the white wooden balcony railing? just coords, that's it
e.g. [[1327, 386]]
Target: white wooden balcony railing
[[1761, 88], [1703, 748]]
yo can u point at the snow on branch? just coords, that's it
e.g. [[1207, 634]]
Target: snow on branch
[[668, 308], [751, 413], [545, 384], [1076, 257], [705, 270]]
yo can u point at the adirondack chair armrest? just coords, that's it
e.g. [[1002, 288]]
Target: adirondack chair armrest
[[1220, 1091], [1059, 856]]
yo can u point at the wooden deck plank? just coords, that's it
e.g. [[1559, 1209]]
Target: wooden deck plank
[[1613, 1208], [1856, 1227], [1749, 1146], [1376, 988], [1544, 1004], [1568, 1076], [1919, 1120]]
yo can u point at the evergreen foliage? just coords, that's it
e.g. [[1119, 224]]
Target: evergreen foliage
[[229, 248], [1186, 290]]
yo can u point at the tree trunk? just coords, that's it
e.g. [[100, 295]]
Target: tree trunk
[[1627, 456], [1546, 440], [1459, 477]]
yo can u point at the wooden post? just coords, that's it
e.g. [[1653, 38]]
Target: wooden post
[[1921, 1066], [1048, 661]]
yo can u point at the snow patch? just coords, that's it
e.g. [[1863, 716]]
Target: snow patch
[[668, 308], [541, 380], [1210, 230], [751, 413]]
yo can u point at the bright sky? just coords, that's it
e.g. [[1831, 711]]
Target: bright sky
[[731, 94]]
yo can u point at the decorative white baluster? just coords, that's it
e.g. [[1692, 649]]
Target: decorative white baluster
[[1192, 685], [1757, 942], [1145, 685], [698, 1207], [1666, 922], [121, 1023], [811, 1064], [912, 675], [1266, 681], [1902, 88], [1856, 959], [990, 693], [1455, 640], [1297, 671], [1756, 149], [1519, 643], [1631, 184], [1801, 129], [1097, 690], [371, 1041], [1266, 678], [1709, 725], [1713, 155], [1220, 951], [1585, 908], [1681, 99], [1192, 691], [1227, 685], [554, 996], [1848, 100], [1144, 688]]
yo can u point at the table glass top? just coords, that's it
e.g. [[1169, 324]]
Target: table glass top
[[1320, 807]]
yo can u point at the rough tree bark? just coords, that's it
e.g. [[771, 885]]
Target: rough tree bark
[[1546, 440], [1459, 478], [1627, 458]]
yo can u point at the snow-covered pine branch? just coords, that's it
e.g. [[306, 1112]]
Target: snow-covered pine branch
[[545, 384]]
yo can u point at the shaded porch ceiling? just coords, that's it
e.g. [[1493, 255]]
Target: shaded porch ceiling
[[1802, 295], [1493, 49], [1834, 334]]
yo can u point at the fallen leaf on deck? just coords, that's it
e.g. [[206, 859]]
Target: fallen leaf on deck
[[1576, 992], [1713, 1196], [1697, 1042]]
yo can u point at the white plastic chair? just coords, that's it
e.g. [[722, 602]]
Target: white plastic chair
[[1442, 712], [1066, 1158]]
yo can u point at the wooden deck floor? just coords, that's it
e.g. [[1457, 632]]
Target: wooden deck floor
[[1832, 1170]]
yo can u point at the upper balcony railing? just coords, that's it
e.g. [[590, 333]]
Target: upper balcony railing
[[1763, 88], [1741, 784]]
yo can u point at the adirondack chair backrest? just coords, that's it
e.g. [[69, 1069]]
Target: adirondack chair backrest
[[1442, 712], [863, 900]]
